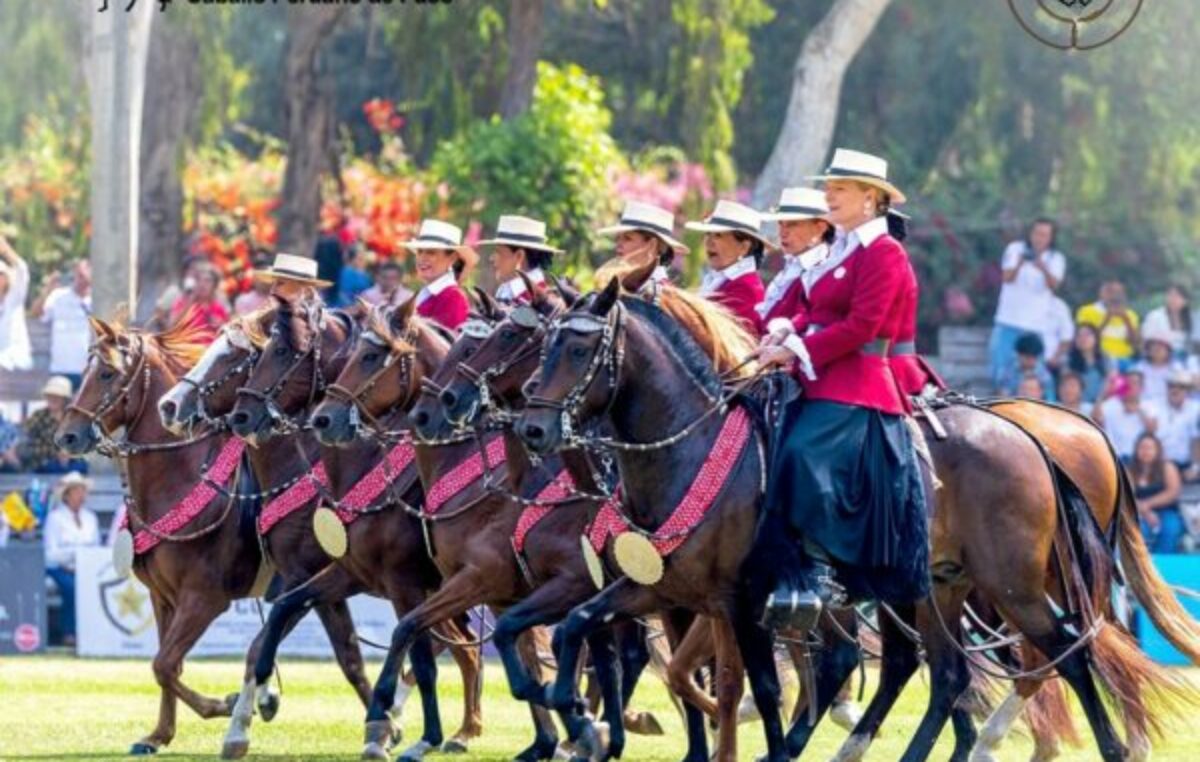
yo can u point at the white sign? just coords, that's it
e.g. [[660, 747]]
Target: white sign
[[115, 618]]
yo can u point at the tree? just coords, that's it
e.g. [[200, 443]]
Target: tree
[[310, 126], [817, 76], [524, 45]]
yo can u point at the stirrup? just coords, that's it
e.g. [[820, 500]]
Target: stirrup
[[796, 610]]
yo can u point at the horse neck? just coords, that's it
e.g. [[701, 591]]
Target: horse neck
[[283, 458], [648, 407]]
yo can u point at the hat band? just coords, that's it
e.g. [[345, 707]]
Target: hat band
[[425, 238], [293, 273], [660, 229], [787, 209], [839, 172], [540, 240], [743, 226]]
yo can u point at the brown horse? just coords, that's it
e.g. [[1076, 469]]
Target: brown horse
[[195, 572], [593, 364], [385, 557]]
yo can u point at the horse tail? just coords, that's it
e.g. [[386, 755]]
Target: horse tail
[[1148, 586], [1144, 691]]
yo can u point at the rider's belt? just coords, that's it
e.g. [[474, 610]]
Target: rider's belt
[[876, 348], [903, 348]]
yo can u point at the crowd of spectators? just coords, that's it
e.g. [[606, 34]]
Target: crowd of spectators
[[1135, 375]]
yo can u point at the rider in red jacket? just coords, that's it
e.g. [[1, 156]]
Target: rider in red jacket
[[735, 246], [441, 261]]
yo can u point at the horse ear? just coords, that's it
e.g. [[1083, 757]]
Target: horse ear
[[403, 314], [607, 298], [488, 306], [634, 280], [537, 297], [568, 292], [102, 329]]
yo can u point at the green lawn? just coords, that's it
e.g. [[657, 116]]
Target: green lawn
[[62, 708]]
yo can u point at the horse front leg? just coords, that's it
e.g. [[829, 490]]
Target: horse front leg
[[164, 729], [731, 673], [469, 659]]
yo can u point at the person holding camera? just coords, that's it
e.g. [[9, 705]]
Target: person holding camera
[[1033, 271], [66, 304], [15, 351], [1115, 321]]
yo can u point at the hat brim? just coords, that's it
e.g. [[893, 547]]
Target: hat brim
[[502, 241], [270, 276], [708, 227], [678, 246], [430, 245], [897, 196], [793, 216]]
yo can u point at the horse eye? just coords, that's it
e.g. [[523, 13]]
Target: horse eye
[[468, 351], [508, 334], [370, 358], [107, 375], [579, 352], [280, 351]]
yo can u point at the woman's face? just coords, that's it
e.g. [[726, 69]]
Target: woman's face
[[1070, 391], [206, 285], [433, 264], [1158, 353], [850, 203], [1040, 236], [798, 236], [55, 404], [723, 249], [632, 242], [1085, 338], [507, 261], [1147, 451], [1176, 301], [73, 497]]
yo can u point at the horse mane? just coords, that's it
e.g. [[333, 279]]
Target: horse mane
[[182, 344], [255, 325], [679, 341], [378, 322]]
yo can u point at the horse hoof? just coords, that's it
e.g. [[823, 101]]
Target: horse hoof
[[416, 752], [375, 751], [142, 749], [643, 724], [269, 708], [455, 746], [539, 751], [845, 714], [235, 749], [593, 741]]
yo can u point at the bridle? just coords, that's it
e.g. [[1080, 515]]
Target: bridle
[[281, 422], [525, 317], [354, 397], [205, 389]]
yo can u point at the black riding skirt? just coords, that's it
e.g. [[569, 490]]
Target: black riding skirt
[[848, 479]]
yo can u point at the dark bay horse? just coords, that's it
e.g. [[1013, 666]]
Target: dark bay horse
[[470, 528], [628, 339], [385, 555], [195, 572]]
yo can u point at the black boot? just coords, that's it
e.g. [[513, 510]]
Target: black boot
[[795, 608]]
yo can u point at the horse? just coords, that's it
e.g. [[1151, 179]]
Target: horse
[[377, 562], [591, 369], [193, 571]]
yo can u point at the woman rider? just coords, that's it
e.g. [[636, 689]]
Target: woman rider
[[735, 246], [441, 261], [846, 480], [521, 247], [804, 236], [646, 232]]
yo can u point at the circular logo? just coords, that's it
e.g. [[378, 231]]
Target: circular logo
[[27, 637], [1075, 24]]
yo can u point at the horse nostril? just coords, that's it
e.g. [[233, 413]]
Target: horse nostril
[[68, 440], [321, 422], [533, 432], [240, 418], [421, 418], [168, 410], [448, 398]]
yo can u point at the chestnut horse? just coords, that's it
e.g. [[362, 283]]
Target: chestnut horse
[[192, 574], [594, 366], [209, 392]]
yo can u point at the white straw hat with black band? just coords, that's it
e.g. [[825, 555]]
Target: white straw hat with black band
[[732, 217], [864, 168], [294, 268], [647, 218], [521, 233], [435, 234], [799, 204]]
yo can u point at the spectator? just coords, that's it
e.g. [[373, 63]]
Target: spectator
[[259, 294], [69, 526], [38, 451], [1115, 321], [1178, 419], [1028, 362], [1156, 366], [1033, 271], [1124, 417], [201, 302], [329, 258], [353, 279], [15, 352], [10, 439], [1087, 361], [1176, 319], [173, 292], [1070, 392], [1156, 485], [1031, 387], [1057, 332], [389, 287], [66, 308]]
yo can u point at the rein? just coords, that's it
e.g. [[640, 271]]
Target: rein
[[283, 423]]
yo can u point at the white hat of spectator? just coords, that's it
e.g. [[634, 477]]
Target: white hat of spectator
[[294, 268], [1161, 335], [1180, 377], [798, 204], [73, 479], [732, 217], [58, 386], [864, 168]]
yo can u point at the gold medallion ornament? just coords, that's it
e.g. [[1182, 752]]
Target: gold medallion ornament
[[638, 558], [122, 553], [593, 563], [330, 532]]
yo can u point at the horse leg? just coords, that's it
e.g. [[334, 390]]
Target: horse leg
[[193, 614], [729, 681], [457, 595], [470, 663], [898, 663], [529, 646], [831, 670], [948, 673], [608, 678], [757, 647], [695, 650], [544, 606], [424, 667], [634, 651], [164, 730]]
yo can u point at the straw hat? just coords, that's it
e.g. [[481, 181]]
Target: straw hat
[[73, 479], [861, 167], [1180, 377], [435, 234], [293, 268], [799, 204], [1161, 335], [647, 218], [58, 386], [521, 233], [732, 217]]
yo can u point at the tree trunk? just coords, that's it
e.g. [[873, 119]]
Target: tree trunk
[[524, 45], [168, 120], [827, 52], [310, 125]]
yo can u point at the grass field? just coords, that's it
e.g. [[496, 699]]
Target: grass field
[[62, 708]]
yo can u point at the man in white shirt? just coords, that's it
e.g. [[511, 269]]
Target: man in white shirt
[[1124, 417], [69, 526], [67, 309], [1033, 271], [15, 353], [1179, 424], [1057, 334]]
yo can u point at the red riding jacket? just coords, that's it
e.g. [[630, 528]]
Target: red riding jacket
[[740, 295], [444, 302]]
